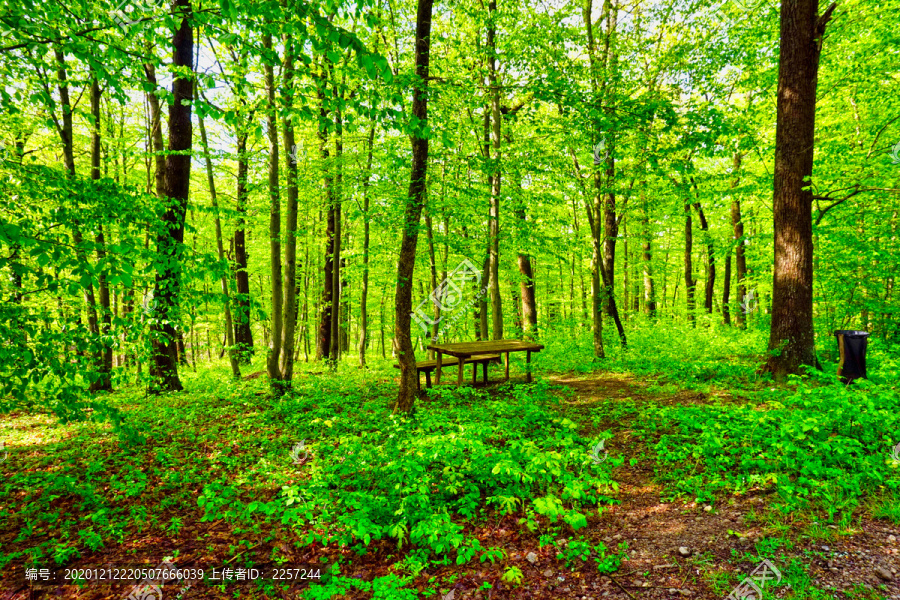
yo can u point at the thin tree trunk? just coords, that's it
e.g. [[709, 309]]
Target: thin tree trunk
[[710, 259], [289, 318], [105, 363], [649, 291], [689, 281], [338, 236], [220, 247], [274, 357], [412, 213], [323, 342], [494, 217], [243, 334], [740, 260], [364, 293]]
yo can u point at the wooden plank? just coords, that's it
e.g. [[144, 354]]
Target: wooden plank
[[466, 349]]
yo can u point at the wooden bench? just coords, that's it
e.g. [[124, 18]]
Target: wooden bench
[[427, 366]]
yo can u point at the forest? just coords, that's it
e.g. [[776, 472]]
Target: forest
[[249, 252]]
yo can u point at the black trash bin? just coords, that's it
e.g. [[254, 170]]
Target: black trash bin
[[852, 345]]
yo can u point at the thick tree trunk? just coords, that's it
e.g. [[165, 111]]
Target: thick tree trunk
[[289, 318], [412, 213], [243, 334], [164, 363], [791, 339], [274, 356], [220, 246]]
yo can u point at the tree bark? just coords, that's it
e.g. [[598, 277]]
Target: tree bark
[[243, 334], [791, 339], [364, 292], [323, 341], [412, 213], [710, 259], [289, 318], [274, 356], [646, 246], [220, 247], [494, 216], [337, 262], [170, 236], [689, 281], [105, 356], [740, 260]]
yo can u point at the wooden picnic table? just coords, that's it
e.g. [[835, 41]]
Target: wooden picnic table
[[465, 350]]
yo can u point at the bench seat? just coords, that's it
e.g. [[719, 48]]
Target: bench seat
[[428, 366]]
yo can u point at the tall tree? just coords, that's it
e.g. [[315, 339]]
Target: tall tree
[[273, 362], [243, 333], [412, 213], [496, 171], [105, 363], [170, 232], [233, 358], [792, 339]]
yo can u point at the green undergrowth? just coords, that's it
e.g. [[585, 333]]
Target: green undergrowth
[[817, 444], [325, 466]]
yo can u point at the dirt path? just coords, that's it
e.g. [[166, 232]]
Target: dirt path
[[655, 530]]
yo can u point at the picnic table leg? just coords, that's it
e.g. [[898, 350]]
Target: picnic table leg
[[485, 363], [528, 366], [507, 366], [474, 373], [427, 378], [459, 377], [437, 369]]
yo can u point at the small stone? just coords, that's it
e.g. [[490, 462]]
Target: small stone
[[562, 542], [826, 548], [884, 574], [548, 573], [684, 551], [531, 557], [707, 508], [892, 538]]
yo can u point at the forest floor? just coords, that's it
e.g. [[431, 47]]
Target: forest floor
[[671, 545]]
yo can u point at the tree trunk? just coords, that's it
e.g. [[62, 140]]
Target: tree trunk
[[740, 261], [338, 263], [243, 335], [274, 358], [494, 217], [289, 318], [220, 247], [323, 340], [105, 363], [689, 281], [164, 363], [527, 292], [791, 339], [364, 293], [649, 291], [710, 259], [412, 213]]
